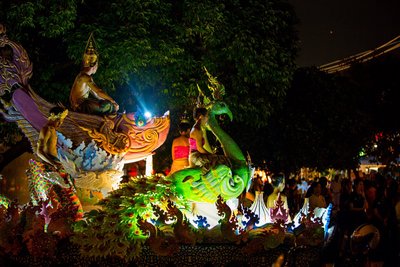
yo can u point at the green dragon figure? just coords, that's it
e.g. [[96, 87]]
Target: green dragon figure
[[227, 181]]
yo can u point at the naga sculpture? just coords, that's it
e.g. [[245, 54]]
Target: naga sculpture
[[227, 181], [92, 148]]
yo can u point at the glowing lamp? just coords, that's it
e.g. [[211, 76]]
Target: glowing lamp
[[147, 115]]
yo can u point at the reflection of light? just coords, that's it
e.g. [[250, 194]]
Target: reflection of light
[[262, 174], [147, 114], [149, 165], [206, 210]]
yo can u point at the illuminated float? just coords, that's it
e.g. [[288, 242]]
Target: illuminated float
[[163, 213]]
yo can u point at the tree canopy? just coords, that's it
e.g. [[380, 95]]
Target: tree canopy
[[152, 53], [380, 83], [330, 120], [321, 125], [156, 50]]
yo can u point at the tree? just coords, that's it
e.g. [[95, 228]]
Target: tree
[[328, 120], [322, 124], [159, 48], [380, 82], [152, 53]]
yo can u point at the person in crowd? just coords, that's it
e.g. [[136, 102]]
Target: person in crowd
[[358, 205], [397, 214], [370, 196], [316, 200], [343, 224], [325, 190], [293, 196], [380, 185], [278, 183], [382, 214], [268, 189], [345, 193], [335, 189], [303, 187], [257, 185]]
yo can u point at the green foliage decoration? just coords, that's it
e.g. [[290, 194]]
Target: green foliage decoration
[[116, 229]]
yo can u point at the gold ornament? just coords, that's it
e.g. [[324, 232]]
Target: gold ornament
[[185, 117], [59, 116], [90, 57]]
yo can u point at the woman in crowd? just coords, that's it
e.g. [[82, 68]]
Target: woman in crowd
[[278, 183], [317, 200], [357, 205]]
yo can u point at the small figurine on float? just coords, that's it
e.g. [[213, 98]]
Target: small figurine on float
[[47, 143], [201, 153], [85, 95], [47, 151], [180, 146]]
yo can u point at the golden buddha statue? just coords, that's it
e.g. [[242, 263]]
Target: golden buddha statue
[[85, 95]]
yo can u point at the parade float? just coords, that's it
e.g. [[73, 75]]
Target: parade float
[[196, 215]]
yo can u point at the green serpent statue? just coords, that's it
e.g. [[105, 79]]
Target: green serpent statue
[[227, 181]]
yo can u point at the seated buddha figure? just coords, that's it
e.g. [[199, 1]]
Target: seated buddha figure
[[85, 95]]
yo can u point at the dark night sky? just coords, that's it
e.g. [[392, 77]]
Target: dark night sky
[[335, 29]]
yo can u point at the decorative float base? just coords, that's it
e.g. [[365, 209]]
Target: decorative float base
[[196, 255]]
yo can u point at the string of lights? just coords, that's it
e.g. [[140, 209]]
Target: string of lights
[[343, 64]]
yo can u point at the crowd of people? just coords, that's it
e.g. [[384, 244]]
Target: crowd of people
[[373, 199]]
